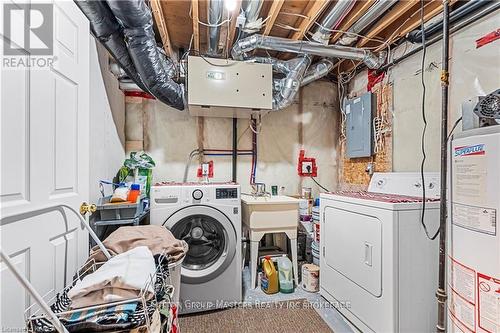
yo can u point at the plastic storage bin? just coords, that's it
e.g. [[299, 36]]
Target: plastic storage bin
[[118, 211]]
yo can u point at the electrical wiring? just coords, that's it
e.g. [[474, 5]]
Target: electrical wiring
[[453, 129], [321, 186], [424, 119]]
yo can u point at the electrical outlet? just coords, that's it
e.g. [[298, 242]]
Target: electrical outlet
[[307, 167]]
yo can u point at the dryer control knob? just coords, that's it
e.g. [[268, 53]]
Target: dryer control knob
[[197, 194]]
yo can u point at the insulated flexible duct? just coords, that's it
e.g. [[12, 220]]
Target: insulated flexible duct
[[317, 71], [290, 85], [137, 21], [253, 42], [108, 32]]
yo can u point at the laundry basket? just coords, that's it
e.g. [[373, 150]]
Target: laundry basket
[[175, 269]]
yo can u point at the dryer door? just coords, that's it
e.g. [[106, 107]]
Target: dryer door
[[211, 238]]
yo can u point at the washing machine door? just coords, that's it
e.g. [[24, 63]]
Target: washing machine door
[[211, 238]]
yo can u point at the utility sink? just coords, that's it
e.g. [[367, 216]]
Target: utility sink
[[269, 212]]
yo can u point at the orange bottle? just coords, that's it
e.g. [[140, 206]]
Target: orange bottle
[[134, 193]]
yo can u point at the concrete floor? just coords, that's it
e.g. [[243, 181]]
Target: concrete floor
[[329, 314]]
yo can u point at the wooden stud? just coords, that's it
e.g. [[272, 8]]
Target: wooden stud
[[359, 9], [312, 15], [162, 28], [196, 26], [273, 15]]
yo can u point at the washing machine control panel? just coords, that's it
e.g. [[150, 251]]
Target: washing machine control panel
[[226, 193]]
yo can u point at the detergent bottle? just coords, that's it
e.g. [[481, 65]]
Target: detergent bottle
[[285, 274], [269, 281]]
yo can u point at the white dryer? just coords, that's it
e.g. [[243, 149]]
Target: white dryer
[[376, 263], [208, 218]]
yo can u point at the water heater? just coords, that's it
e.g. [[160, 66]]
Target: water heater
[[473, 237]]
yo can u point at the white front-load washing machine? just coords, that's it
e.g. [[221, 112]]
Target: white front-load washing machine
[[208, 217]]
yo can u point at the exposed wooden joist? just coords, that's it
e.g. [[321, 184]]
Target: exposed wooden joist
[[432, 9], [397, 11], [357, 11], [232, 24], [196, 26], [162, 28], [273, 14], [312, 15], [411, 23]]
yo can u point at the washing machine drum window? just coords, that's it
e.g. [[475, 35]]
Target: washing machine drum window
[[212, 241], [206, 238]]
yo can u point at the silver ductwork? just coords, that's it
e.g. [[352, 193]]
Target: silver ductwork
[[253, 22], [253, 42], [332, 20], [215, 11], [317, 71], [288, 87], [373, 13]]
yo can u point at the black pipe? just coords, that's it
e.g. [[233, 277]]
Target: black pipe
[[416, 35], [441, 291], [235, 148], [137, 20], [106, 29], [460, 25]]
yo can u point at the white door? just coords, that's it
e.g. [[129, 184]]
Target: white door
[[44, 160]]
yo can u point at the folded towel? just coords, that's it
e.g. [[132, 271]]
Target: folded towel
[[121, 277], [156, 237]]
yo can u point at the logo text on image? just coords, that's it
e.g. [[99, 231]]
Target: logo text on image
[[28, 29], [470, 150]]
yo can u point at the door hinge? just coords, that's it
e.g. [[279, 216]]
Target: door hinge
[[323, 251]]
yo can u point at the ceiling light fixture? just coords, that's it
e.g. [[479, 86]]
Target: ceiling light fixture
[[230, 5]]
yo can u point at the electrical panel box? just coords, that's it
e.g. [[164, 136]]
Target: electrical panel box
[[228, 88], [359, 130]]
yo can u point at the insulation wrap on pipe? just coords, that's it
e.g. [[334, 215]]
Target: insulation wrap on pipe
[[108, 32], [137, 21]]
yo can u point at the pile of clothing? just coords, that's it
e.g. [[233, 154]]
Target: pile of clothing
[[137, 270]]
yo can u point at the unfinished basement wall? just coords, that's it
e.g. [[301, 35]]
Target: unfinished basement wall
[[310, 123], [107, 121], [473, 71]]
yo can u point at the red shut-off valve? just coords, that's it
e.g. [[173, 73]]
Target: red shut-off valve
[[307, 165]]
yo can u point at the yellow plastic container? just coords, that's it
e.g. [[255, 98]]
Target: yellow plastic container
[[269, 282]]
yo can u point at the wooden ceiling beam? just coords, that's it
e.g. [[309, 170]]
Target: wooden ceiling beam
[[162, 28], [411, 23], [273, 15], [359, 9], [431, 9], [312, 15], [196, 27], [397, 11]]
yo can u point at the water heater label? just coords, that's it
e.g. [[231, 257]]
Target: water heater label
[[474, 218], [488, 290], [470, 175]]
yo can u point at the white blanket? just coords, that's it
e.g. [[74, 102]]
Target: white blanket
[[121, 277]]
